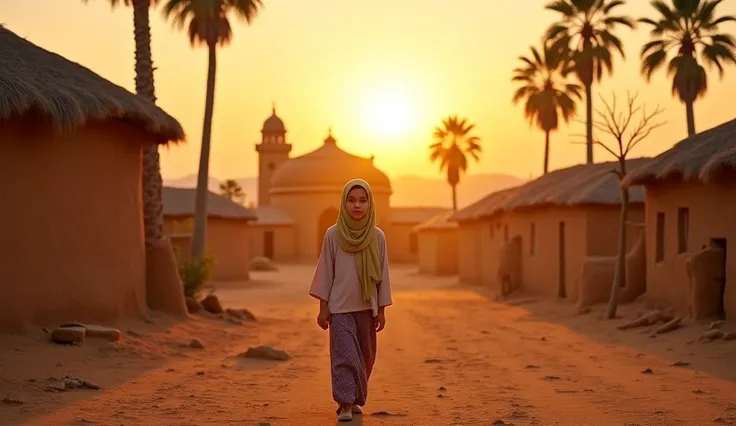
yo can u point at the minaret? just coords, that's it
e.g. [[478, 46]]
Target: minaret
[[273, 151]]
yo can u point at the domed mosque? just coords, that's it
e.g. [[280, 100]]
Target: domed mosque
[[298, 198]]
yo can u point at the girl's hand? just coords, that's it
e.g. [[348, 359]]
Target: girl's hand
[[379, 321], [323, 318]]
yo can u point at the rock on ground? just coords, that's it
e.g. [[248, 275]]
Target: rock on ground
[[266, 352], [212, 304]]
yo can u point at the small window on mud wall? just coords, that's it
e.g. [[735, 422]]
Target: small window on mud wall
[[506, 233], [490, 231], [659, 248], [683, 228], [532, 239], [413, 243]]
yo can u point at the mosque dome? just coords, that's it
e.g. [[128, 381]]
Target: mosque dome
[[327, 168], [273, 124]]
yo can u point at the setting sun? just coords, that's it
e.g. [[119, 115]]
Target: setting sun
[[389, 113]]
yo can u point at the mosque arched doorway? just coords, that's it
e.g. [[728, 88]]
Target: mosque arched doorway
[[326, 219]]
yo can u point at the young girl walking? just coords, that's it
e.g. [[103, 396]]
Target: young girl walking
[[353, 287]]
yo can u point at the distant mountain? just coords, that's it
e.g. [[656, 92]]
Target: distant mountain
[[409, 190]]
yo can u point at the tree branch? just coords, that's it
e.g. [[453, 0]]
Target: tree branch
[[604, 146], [618, 125]]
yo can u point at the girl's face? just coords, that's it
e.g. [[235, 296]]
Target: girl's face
[[356, 203]]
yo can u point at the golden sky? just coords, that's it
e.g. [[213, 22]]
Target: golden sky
[[363, 68]]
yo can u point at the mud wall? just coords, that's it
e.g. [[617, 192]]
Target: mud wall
[[71, 223]]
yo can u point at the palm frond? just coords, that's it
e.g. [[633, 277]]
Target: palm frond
[[207, 21], [688, 28]]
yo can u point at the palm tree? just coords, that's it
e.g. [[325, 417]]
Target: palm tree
[[144, 87], [451, 147], [691, 28], [232, 190], [546, 91], [586, 33], [151, 182], [207, 24]]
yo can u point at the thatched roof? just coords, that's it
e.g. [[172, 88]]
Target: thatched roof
[[179, 202], [268, 215], [34, 80], [585, 184], [486, 204], [413, 215], [438, 222], [700, 157]]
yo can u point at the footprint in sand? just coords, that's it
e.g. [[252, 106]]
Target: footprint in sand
[[387, 414], [438, 361]]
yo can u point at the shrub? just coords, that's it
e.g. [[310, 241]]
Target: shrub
[[194, 274]]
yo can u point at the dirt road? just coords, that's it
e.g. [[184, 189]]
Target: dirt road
[[448, 356]]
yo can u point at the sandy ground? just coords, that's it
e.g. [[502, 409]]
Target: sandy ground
[[449, 356]]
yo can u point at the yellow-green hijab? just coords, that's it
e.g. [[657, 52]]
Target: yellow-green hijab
[[359, 237]]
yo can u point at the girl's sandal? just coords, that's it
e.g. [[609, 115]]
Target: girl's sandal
[[357, 409], [345, 416]]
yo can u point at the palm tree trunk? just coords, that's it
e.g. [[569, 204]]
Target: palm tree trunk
[[164, 290], [200, 203], [454, 197], [690, 112], [144, 87], [546, 151], [589, 123]]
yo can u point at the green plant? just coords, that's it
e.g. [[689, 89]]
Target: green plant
[[195, 273]]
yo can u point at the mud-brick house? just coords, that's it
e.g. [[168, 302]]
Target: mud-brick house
[[273, 235], [437, 245], [228, 234], [70, 159], [470, 235], [690, 223], [403, 240], [556, 235]]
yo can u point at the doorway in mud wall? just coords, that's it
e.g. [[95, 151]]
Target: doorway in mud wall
[[721, 243], [562, 285], [268, 244]]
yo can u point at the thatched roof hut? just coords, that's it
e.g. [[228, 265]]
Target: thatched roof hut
[[585, 184], [36, 81], [700, 157]]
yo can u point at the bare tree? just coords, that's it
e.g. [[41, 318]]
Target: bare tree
[[625, 135]]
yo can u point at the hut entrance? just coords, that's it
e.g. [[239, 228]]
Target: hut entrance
[[326, 219], [562, 286], [268, 244], [722, 244]]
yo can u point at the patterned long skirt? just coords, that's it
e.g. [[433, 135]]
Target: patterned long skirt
[[352, 353]]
